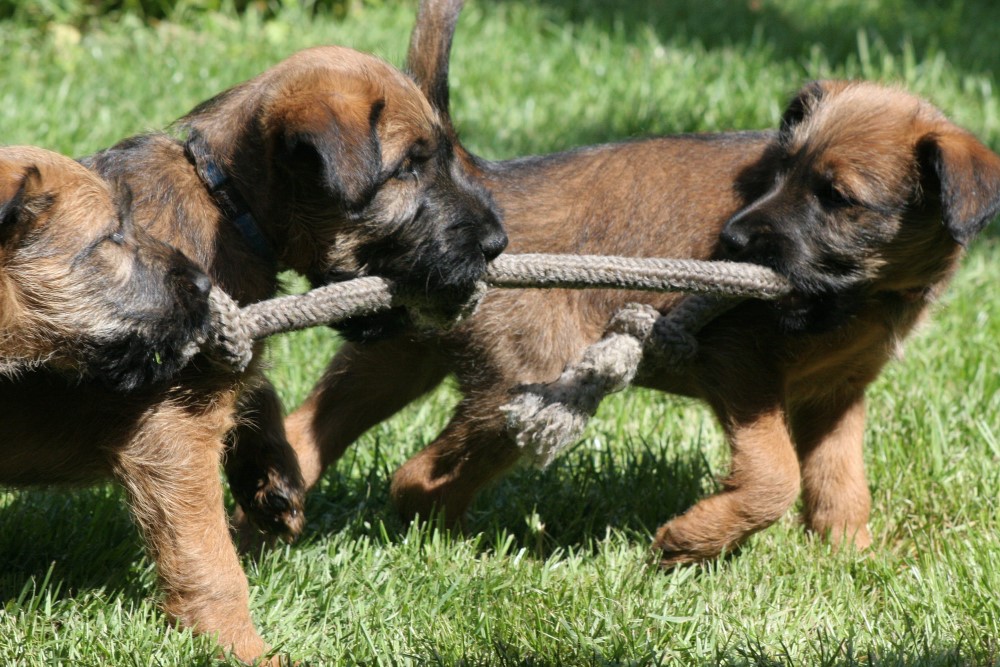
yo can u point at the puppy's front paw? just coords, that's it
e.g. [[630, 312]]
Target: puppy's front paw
[[276, 506], [272, 506], [667, 552], [673, 546]]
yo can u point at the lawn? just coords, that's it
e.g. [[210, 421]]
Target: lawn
[[552, 570]]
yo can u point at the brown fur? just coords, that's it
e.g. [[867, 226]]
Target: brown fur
[[81, 288], [863, 199], [346, 169]]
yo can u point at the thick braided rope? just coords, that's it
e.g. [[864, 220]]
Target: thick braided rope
[[544, 419], [636, 273], [234, 329]]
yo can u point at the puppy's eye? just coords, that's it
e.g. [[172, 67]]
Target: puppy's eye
[[407, 169], [831, 196], [411, 166]]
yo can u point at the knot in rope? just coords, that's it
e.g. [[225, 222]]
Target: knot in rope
[[542, 418]]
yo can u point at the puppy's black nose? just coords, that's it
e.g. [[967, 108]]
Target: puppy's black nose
[[734, 240], [492, 236], [493, 244], [198, 282]]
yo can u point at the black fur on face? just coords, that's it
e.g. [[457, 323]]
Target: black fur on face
[[431, 229], [814, 238], [161, 311], [103, 299], [825, 241], [349, 172], [843, 206]]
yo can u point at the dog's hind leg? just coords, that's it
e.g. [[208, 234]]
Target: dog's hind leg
[[171, 473], [829, 435], [363, 385], [445, 477], [762, 484]]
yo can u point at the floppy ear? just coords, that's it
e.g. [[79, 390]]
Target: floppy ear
[[340, 134], [800, 105], [21, 200], [967, 174]]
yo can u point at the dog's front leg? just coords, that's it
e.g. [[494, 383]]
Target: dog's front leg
[[762, 484], [829, 434], [171, 473], [263, 470]]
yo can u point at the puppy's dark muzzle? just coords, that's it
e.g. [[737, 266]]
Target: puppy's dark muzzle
[[476, 218], [194, 282], [734, 241], [190, 286], [493, 240], [751, 239]]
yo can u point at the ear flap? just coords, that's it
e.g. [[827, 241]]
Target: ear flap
[[15, 207], [968, 175], [800, 105], [342, 135]]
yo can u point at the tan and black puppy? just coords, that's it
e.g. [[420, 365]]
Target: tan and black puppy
[[95, 317], [85, 291], [332, 163], [864, 199]]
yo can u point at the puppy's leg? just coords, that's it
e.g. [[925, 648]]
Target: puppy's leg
[[762, 484], [171, 473], [445, 476], [263, 470], [829, 436], [475, 447], [364, 384]]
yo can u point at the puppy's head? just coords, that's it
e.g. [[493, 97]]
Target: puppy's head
[[82, 289], [349, 171], [872, 190]]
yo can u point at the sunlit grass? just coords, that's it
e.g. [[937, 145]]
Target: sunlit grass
[[553, 570]]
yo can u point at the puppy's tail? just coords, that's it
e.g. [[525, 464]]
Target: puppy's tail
[[430, 51]]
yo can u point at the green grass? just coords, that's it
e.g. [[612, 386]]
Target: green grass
[[553, 572]]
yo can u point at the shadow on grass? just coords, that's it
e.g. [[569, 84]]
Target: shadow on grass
[[584, 493], [570, 505], [75, 541], [965, 32], [823, 650]]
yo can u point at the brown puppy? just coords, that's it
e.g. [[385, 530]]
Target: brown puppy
[[90, 304], [331, 163], [83, 290], [863, 199]]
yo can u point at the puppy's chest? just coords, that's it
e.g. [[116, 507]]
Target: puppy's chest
[[846, 360]]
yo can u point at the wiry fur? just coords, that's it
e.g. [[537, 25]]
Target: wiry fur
[[334, 153], [84, 291], [863, 199]]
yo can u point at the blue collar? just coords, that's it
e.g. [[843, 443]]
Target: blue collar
[[229, 200]]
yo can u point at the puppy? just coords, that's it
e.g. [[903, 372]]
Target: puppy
[[864, 200], [331, 163], [84, 291], [95, 315]]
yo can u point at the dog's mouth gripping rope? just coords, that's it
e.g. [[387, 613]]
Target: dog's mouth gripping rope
[[542, 418]]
